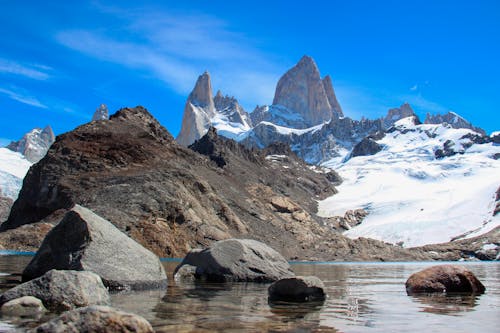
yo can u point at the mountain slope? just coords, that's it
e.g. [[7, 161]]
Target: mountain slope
[[429, 184]]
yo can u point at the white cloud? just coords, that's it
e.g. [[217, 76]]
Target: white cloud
[[35, 72], [423, 104], [23, 97], [178, 48], [414, 88]]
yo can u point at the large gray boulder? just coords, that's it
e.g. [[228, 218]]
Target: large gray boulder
[[101, 319], [237, 260], [297, 289], [444, 278], [62, 290], [85, 241]]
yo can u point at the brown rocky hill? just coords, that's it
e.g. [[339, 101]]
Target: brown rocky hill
[[130, 170]]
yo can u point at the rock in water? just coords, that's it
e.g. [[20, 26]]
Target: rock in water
[[444, 278], [85, 241], [62, 290], [101, 319], [238, 260], [26, 306], [297, 289]]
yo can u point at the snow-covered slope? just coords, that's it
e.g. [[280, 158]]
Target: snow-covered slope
[[13, 168], [414, 198]]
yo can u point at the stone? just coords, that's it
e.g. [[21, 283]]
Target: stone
[[237, 260], [86, 241], [101, 319], [185, 273], [26, 306], [444, 278], [297, 289], [62, 290]]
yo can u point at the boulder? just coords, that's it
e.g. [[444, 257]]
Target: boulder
[[297, 289], [101, 319], [237, 260], [444, 278], [26, 306], [366, 147], [62, 290], [85, 241]]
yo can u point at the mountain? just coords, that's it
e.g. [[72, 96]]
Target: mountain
[[203, 110], [34, 144], [101, 113], [452, 119], [171, 199], [427, 183]]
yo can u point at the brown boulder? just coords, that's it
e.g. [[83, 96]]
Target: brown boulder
[[444, 278]]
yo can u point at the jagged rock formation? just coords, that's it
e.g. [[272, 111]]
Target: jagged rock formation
[[395, 114], [202, 111], [171, 199], [366, 147], [34, 144], [302, 91], [453, 119], [101, 113]]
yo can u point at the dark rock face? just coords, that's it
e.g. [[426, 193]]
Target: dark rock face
[[34, 144], [366, 147], [101, 319], [85, 241], [238, 260], [444, 278], [62, 290], [297, 289]]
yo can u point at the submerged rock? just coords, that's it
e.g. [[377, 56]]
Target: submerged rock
[[62, 290], [101, 319], [444, 278], [297, 289], [85, 241], [26, 306], [236, 260]]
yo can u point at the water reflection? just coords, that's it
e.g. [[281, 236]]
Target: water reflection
[[446, 304]]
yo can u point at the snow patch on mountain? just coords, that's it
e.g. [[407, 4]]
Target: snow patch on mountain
[[13, 168], [412, 197]]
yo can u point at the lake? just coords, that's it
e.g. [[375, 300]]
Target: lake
[[362, 297]]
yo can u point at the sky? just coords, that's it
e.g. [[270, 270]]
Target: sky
[[60, 60]]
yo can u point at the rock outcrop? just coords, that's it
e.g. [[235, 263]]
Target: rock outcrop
[[444, 278], [25, 306], [85, 241], [101, 113], [5, 205], [62, 290], [34, 144], [243, 260], [366, 147], [454, 120], [297, 289], [395, 114], [101, 319]]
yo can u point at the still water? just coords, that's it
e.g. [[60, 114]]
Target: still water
[[362, 297]]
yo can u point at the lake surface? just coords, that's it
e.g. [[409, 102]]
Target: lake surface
[[362, 297]]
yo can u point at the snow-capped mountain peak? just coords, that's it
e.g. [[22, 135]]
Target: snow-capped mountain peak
[[34, 144]]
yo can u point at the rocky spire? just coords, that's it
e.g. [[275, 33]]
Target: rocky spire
[[198, 111], [34, 144], [101, 113], [396, 114], [332, 99], [302, 91]]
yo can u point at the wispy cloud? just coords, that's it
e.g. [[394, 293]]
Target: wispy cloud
[[23, 97], [176, 48], [33, 71], [414, 88], [423, 104]]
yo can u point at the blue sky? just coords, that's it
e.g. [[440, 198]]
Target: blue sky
[[59, 61]]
